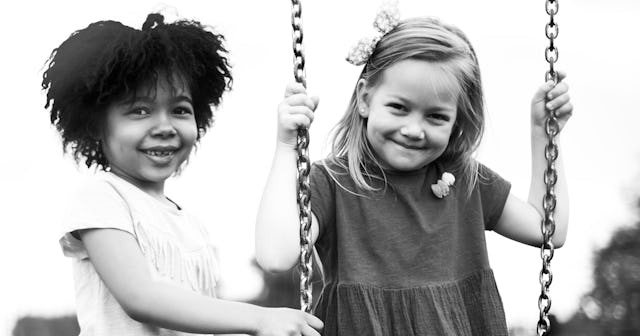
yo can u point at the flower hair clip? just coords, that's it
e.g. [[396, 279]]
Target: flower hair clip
[[441, 188], [387, 18]]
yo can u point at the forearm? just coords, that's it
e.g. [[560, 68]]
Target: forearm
[[538, 188], [277, 237], [172, 307]]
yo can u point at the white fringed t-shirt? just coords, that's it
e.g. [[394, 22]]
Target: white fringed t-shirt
[[176, 247]]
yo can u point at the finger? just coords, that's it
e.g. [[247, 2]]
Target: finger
[[293, 88], [542, 91], [565, 111], [313, 321], [301, 99], [561, 75], [558, 101], [299, 121], [301, 110], [315, 100], [560, 89], [308, 331]]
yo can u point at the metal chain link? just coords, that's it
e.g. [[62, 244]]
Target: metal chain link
[[548, 226], [303, 166], [551, 31]]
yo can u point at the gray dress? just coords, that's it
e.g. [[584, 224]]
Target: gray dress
[[404, 262]]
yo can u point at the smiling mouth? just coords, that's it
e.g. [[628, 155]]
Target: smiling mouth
[[159, 153], [408, 146]]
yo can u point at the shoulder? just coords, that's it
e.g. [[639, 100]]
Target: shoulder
[[484, 175], [331, 164], [489, 178], [493, 190], [98, 201], [98, 188], [94, 203], [327, 169], [332, 171]]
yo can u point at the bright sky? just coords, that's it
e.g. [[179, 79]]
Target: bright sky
[[223, 183]]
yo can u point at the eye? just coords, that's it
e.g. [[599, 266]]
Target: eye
[[439, 117], [139, 111], [397, 107], [183, 111]]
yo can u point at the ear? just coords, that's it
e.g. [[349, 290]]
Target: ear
[[362, 96]]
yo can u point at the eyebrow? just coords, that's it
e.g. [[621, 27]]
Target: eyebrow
[[182, 98], [150, 99]]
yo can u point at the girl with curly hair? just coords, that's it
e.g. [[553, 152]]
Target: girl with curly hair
[[133, 103]]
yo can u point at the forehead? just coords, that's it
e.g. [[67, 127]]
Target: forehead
[[162, 83], [156, 85], [420, 80]]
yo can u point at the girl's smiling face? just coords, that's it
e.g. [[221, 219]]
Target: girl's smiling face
[[410, 113], [147, 138]]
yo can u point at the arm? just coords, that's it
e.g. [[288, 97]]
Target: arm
[[118, 260], [277, 225], [521, 220]]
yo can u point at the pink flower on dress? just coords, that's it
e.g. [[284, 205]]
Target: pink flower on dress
[[441, 187]]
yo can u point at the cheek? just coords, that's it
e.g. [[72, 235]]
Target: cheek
[[443, 139], [374, 132], [118, 139], [189, 132], [380, 125]]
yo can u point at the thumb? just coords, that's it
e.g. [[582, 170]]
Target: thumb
[[316, 101], [313, 321], [293, 88], [542, 91]]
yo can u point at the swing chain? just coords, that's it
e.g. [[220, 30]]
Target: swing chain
[[550, 178], [298, 47], [303, 168], [551, 31]]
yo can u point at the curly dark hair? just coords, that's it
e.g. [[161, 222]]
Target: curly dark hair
[[108, 61]]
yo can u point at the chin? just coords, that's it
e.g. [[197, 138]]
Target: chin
[[406, 166], [158, 175]]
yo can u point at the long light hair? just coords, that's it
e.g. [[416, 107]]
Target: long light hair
[[431, 40]]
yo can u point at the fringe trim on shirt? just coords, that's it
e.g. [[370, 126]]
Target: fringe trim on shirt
[[199, 270]]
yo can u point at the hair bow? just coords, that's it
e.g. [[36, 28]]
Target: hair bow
[[387, 18]]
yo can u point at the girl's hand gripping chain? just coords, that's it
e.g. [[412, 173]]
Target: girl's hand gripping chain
[[294, 112], [521, 221], [554, 97], [285, 321], [277, 223]]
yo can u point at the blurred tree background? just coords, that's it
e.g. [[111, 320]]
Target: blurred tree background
[[611, 308]]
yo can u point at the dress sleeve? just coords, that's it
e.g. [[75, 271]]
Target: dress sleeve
[[322, 196], [96, 204], [494, 191]]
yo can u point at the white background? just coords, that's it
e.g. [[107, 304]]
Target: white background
[[598, 48]]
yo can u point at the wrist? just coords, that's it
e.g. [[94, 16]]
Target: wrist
[[255, 319], [286, 146], [539, 137], [287, 138], [538, 131]]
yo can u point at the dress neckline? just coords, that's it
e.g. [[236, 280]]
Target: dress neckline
[[173, 207]]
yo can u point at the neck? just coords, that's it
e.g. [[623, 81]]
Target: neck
[[155, 189]]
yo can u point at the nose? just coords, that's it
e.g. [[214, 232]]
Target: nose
[[413, 132], [163, 126]]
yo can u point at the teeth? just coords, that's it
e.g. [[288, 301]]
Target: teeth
[[159, 153]]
